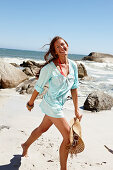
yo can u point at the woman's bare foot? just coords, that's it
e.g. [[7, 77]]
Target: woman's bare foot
[[25, 149]]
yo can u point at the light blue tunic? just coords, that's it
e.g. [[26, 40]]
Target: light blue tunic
[[59, 87]]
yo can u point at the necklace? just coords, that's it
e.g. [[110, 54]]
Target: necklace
[[61, 67]]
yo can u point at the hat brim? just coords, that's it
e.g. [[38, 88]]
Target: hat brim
[[75, 128]]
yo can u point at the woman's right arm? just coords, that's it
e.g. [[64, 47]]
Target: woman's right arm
[[30, 104], [33, 97], [45, 75]]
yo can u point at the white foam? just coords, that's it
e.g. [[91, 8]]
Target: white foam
[[109, 81], [19, 60], [97, 65]]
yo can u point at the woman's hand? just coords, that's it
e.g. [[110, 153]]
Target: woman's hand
[[78, 115], [30, 104], [29, 107]]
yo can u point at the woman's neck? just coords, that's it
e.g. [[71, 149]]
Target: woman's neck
[[63, 60]]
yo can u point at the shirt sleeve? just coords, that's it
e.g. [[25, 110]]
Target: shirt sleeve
[[44, 77], [75, 85]]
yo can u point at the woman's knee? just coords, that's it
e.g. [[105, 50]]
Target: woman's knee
[[66, 138], [39, 130], [42, 129]]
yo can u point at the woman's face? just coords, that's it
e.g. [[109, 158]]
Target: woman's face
[[61, 48]]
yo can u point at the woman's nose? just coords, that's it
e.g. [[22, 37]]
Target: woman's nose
[[62, 47]]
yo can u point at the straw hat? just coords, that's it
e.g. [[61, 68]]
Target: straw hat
[[76, 143]]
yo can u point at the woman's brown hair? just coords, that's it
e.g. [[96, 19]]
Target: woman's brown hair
[[50, 55], [52, 50]]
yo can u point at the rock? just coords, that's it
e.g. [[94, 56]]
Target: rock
[[26, 63], [30, 90], [35, 70], [28, 71], [87, 78], [10, 75], [32, 68], [82, 71], [38, 64], [50, 160], [99, 57], [97, 101], [28, 87], [23, 92], [14, 64], [31, 63], [25, 86], [4, 127]]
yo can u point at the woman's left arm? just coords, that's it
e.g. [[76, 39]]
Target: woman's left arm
[[74, 93]]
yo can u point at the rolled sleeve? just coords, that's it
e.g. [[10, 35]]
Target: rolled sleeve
[[75, 85], [38, 88], [44, 77]]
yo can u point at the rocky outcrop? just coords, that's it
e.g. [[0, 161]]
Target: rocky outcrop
[[30, 63], [31, 68], [97, 101], [10, 76], [99, 57], [28, 87]]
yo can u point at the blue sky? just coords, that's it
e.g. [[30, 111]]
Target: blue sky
[[87, 25]]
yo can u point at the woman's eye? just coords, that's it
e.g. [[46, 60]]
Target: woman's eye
[[62, 44]]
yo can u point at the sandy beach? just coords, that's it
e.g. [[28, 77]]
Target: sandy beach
[[16, 124]]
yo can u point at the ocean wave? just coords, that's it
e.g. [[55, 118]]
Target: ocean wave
[[96, 65], [19, 60]]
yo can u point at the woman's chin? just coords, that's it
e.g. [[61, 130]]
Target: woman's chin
[[63, 54]]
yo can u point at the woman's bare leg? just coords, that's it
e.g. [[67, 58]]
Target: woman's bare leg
[[64, 129], [36, 133]]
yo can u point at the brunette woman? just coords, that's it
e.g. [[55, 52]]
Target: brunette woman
[[62, 75]]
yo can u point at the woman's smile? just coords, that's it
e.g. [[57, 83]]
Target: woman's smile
[[61, 47]]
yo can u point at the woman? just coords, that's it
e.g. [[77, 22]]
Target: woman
[[61, 74]]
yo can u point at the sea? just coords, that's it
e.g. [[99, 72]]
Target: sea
[[14, 55], [101, 74]]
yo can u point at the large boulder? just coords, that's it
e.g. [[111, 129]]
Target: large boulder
[[99, 57], [97, 101], [10, 76]]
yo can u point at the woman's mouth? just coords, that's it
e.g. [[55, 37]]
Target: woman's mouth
[[63, 51]]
